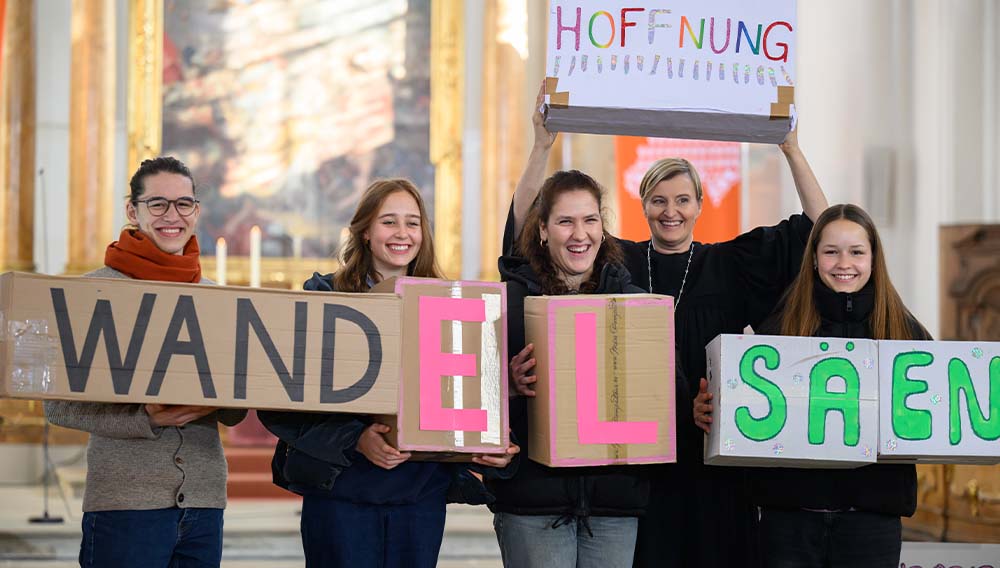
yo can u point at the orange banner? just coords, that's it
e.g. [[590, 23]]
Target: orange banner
[[718, 164]]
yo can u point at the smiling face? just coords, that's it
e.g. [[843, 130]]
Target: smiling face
[[171, 231], [574, 231], [395, 237], [671, 209], [844, 256]]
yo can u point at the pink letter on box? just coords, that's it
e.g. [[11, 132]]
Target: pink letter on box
[[590, 429], [435, 364]]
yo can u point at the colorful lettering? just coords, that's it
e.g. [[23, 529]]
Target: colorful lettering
[[909, 423], [625, 23], [434, 364], [768, 426], [823, 401], [560, 28], [652, 23], [696, 40], [711, 35], [959, 381], [742, 31], [611, 21], [590, 429], [781, 44]]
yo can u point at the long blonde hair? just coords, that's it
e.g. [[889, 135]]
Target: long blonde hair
[[889, 318], [358, 266]]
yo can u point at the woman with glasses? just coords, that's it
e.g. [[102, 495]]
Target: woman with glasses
[[156, 474]]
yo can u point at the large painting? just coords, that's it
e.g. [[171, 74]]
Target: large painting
[[285, 111]]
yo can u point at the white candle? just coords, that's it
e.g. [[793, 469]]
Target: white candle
[[220, 261], [297, 246], [255, 257]]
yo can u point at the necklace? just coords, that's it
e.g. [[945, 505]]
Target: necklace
[[649, 270]]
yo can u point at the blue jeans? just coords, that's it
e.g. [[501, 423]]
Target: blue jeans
[[807, 539], [338, 533], [160, 538], [544, 541]]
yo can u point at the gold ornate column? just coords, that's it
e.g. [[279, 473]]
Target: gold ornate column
[[145, 81], [505, 37], [91, 134], [17, 136], [447, 107]]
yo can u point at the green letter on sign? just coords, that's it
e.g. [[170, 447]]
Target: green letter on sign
[[907, 423], [822, 401], [958, 381], [760, 429]]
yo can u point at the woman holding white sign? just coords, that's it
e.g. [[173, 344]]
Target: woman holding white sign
[[570, 517], [718, 288], [836, 518], [364, 503], [156, 474]]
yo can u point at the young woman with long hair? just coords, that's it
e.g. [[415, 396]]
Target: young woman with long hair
[[156, 474], [364, 503], [836, 518], [564, 517]]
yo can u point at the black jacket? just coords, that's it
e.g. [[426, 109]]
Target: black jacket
[[881, 488], [314, 449], [615, 491]]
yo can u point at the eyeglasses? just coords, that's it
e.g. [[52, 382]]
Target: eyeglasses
[[158, 206]]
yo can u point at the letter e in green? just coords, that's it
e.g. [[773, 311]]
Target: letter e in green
[[908, 423]]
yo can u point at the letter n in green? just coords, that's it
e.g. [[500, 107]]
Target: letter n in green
[[822, 401], [959, 381], [768, 426]]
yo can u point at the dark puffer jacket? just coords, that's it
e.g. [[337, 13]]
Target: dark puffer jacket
[[610, 491], [889, 489]]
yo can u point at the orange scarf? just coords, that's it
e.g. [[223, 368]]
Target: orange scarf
[[136, 255]]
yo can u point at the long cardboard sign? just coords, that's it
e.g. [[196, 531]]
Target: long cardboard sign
[[705, 69], [453, 377], [605, 389], [830, 402], [125, 341]]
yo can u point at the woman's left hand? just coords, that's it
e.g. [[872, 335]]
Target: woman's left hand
[[499, 461]]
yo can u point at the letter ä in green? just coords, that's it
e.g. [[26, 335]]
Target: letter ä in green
[[822, 401], [959, 381], [768, 426]]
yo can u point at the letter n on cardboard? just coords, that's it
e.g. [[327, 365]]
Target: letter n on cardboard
[[453, 377], [605, 390]]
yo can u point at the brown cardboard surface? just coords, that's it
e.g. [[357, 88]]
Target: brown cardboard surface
[[635, 377], [438, 445], [193, 344]]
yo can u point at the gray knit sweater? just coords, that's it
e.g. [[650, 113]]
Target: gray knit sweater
[[131, 465]]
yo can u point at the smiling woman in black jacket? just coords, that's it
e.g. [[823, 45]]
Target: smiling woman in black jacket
[[364, 504], [833, 518], [564, 517]]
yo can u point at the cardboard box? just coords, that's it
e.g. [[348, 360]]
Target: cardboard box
[[117, 340], [453, 377], [703, 69], [940, 401], [792, 401], [605, 390]]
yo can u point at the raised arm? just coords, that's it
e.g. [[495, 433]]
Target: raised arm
[[811, 195], [534, 172]]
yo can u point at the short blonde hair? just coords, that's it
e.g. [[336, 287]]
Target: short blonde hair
[[668, 168]]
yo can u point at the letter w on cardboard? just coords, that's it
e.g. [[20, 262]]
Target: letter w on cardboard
[[605, 390]]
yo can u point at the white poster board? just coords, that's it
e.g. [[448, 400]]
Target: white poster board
[[949, 555], [792, 401], [940, 401], [702, 69]]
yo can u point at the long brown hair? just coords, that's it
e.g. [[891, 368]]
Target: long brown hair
[[358, 266], [889, 318], [530, 244]]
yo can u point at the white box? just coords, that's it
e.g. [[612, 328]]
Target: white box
[[702, 69], [927, 414], [789, 427]]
